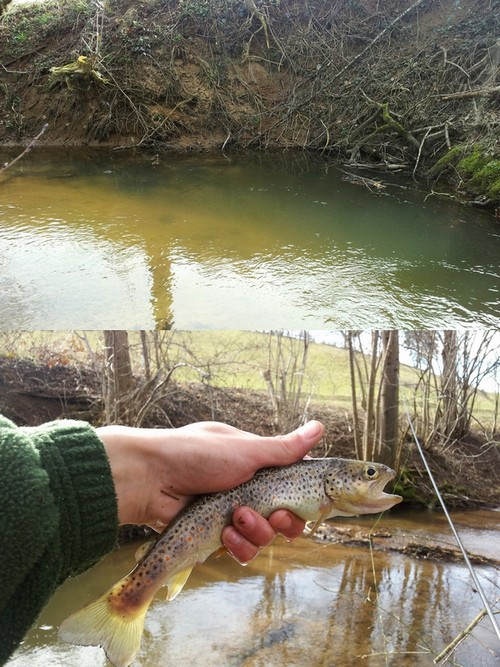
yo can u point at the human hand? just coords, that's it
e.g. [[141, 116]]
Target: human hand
[[158, 471]]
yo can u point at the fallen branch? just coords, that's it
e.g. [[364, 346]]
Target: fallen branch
[[83, 65], [377, 38], [397, 127], [26, 150], [420, 152], [252, 7], [470, 93], [390, 124], [461, 636], [449, 62], [318, 69], [439, 194]]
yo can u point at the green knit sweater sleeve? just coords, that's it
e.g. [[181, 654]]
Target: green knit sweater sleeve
[[58, 516]]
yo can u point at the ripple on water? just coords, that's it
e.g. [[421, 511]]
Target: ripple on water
[[211, 238]]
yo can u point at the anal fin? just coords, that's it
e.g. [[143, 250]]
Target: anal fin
[[176, 583]]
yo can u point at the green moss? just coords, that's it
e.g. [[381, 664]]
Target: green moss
[[449, 158], [471, 163], [481, 174], [494, 190], [478, 169], [405, 487]]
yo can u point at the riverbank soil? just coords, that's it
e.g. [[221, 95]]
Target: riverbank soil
[[426, 547], [467, 472], [390, 85]]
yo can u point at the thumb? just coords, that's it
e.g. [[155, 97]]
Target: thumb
[[285, 449]]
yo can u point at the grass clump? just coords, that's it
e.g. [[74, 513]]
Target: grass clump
[[30, 25]]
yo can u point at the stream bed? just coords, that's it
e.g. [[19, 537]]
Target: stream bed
[[303, 604]]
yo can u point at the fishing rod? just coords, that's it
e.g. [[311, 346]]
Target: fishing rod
[[477, 583]]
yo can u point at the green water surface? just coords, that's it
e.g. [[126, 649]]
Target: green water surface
[[122, 240]]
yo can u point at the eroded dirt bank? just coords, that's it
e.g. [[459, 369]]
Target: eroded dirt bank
[[396, 85]]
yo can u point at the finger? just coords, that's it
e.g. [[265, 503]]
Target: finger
[[238, 546], [253, 526], [291, 447], [287, 524], [158, 526]]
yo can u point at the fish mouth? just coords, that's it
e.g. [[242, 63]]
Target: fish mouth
[[379, 499], [371, 500], [384, 501]]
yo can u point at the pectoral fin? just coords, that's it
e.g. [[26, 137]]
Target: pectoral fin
[[220, 551], [176, 583], [319, 520], [143, 550]]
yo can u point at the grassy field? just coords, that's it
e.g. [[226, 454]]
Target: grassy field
[[222, 358]]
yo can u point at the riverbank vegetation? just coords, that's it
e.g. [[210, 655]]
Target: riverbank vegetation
[[271, 382], [387, 86]]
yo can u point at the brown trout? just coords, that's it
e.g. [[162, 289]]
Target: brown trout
[[314, 489]]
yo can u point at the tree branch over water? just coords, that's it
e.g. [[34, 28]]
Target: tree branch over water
[[26, 150]]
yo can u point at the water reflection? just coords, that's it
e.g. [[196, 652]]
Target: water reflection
[[109, 241], [297, 604]]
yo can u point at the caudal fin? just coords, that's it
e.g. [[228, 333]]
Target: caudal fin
[[97, 624]]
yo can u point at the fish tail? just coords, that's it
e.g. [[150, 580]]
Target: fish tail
[[119, 632]]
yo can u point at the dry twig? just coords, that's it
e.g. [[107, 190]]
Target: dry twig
[[26, 150]]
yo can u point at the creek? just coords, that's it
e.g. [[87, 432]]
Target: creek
[[303, 604], [131, 240]]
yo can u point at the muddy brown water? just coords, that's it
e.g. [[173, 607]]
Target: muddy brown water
[[302, 604], [130, 240]]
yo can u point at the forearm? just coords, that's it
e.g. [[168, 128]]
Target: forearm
[[58, 516], [81, 484]]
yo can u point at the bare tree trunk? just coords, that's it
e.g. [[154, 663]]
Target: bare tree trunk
[[118, 378], [389, 423], [146, 355], [423, 345], [355, 414], [368, 435], [284, 376], [494, 422], [449, 385]]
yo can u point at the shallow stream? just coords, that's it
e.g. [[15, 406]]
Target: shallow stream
[[304, 604]]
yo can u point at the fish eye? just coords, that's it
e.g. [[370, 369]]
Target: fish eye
[[370, 472]]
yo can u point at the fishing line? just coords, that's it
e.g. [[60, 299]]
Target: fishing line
[[477, 583]]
